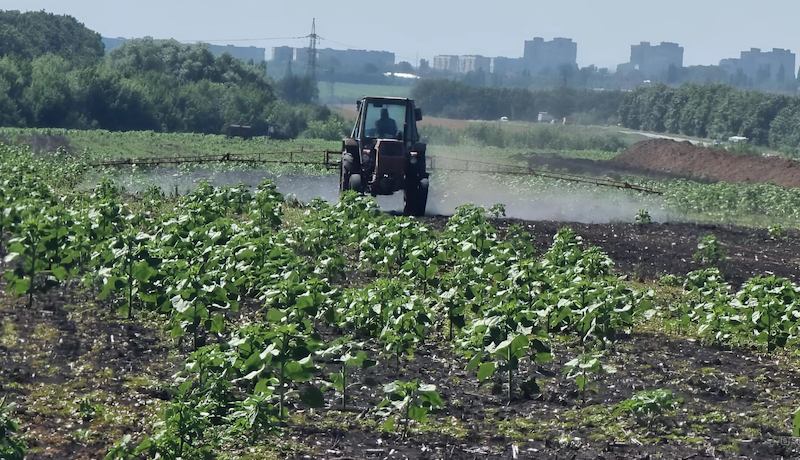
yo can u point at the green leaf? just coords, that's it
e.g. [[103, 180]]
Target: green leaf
[[263, 386], [142, 271], [217, 324], [179, 304], [11, 257], [337, 381], [255, 373], [295, 372], [420, 414], [275, 316], [474, 362], [59, 272], [312, 396], [486, 370], [763, 337], [176, 332], [304, 301], [434, 399], [143, 446], [21, 286], [519, 345], [388, 425], [430, 272]]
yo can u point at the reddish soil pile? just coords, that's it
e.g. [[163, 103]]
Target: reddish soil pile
[[683, 158]]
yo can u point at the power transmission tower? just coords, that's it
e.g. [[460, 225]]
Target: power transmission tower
[[311, 70]]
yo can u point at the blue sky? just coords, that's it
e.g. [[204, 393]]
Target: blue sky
[[708, 30]]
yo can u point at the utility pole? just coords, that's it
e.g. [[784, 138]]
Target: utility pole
[[311, 70]]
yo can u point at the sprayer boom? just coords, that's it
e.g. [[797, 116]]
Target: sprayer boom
[[331, 159]]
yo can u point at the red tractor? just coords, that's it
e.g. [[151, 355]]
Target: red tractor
[[383, 154]]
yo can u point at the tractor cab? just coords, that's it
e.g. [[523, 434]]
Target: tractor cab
[[383, 154], [387, 118]]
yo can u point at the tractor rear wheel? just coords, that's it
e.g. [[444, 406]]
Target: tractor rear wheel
[[345, 172], [415, 198], [355, 183], [422, 197]]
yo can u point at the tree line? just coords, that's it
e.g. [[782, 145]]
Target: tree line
[[715, 111], [455, 99], [54, 73]]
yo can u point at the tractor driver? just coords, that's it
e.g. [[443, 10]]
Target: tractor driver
[[385, 127]]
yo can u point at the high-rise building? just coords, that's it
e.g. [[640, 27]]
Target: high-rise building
[[281, 54], [654, 62], [473, 63], [446, 63], [774, 66], [554, 55], [245, 53], [504, 65], [331, 58]]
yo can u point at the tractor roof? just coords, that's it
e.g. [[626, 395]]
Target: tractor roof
[[387, 98]]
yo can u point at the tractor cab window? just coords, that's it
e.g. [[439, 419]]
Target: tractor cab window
[[385, 120]]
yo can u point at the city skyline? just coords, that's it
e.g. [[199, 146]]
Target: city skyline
[[709, 32]]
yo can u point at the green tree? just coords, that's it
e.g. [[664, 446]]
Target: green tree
[[33, 34], [48, 98], [12, 84], [295, 89]]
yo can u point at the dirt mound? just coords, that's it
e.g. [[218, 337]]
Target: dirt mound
[[683, 158]]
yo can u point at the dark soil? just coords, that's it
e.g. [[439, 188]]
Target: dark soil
[[683, 158], [712, 382], [736, 404], [650, 251]]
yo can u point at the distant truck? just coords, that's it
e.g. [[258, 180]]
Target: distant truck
[[242, 131], [544, 117]]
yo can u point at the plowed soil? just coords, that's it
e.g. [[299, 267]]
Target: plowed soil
[[685, 159], [651, 251]]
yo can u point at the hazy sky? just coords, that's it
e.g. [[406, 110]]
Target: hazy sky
[[709, 30]]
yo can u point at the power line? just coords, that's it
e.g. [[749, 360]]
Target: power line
[[340, 43], [246, 39], [311, 70], [313, 38]]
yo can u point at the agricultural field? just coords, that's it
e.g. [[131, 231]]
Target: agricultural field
[[100, 145], [231, 323]]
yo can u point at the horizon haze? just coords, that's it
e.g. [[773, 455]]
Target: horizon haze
[[708, 31]]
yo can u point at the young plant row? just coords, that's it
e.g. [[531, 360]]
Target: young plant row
[[766, 310], [197, 262]]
